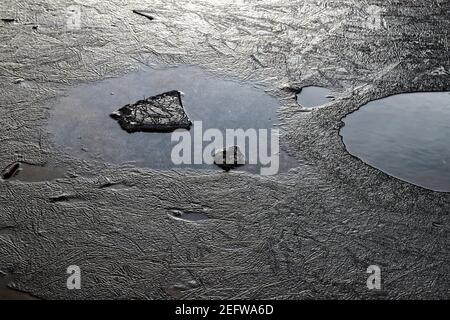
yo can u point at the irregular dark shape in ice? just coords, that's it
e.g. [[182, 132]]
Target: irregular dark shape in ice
[[8, 20], [313, 97], [405, 136], [160, 113], [189, 216], [112, 184], [31, 173], [10, 171], [144, 14], [229, 158]]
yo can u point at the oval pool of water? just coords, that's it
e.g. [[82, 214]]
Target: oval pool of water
[[314, 97], [80, 119], [405, 136]]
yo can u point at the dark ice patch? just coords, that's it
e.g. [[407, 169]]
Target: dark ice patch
[[8, 20], [31, 173], [160, 113], [144, 14]]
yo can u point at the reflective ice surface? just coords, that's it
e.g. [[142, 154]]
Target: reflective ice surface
[[406, 136], [313, 97]]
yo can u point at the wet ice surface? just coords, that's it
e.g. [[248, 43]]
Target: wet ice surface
[[189, 216], [406, 136], [25, 172], [6, 293], [313, 97], [80, 120]]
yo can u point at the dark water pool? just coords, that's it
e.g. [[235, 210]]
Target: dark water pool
[[80, 120], [313, 97], [406, 136]]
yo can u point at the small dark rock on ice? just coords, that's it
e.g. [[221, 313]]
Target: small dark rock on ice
[[229, 158]]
